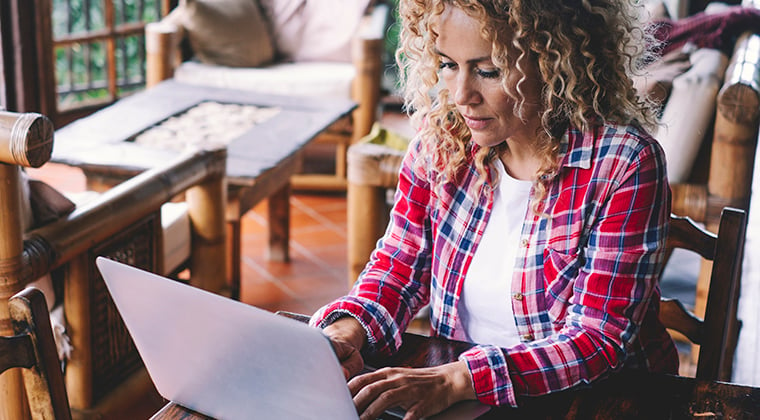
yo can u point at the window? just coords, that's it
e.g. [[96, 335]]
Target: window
[[99, 49]]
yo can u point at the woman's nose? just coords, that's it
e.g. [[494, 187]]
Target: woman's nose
[[465, 92]]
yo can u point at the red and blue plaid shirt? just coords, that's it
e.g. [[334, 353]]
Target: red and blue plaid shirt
[[584, 290]]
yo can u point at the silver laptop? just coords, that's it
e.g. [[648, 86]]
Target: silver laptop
[[230, 360]]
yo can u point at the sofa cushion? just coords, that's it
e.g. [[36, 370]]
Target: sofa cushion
[[690, 111], [303, 79], [306, 30], [227, 32]]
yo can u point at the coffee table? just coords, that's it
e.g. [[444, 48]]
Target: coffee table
[[260, 161]]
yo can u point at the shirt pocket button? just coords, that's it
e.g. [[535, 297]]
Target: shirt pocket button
[[528, 337]]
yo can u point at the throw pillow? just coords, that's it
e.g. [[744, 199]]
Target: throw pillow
[[286, 24], [306, 30], [229, 33]]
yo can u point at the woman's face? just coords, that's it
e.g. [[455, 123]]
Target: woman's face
[[474, 82]]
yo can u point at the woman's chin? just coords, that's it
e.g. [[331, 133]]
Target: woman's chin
[[485, 141]]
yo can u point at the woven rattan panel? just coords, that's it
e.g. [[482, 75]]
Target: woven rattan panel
[[114, 356]]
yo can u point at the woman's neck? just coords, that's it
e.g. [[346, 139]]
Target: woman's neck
[[521, 159]]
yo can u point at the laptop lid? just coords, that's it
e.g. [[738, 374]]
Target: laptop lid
[[224, 358]]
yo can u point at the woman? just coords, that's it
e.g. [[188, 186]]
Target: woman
[[531, 209]]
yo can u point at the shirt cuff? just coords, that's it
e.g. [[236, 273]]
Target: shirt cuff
[[490, 375], [383, 335]]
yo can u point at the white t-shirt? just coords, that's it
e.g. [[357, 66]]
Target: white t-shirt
[[485, 307]]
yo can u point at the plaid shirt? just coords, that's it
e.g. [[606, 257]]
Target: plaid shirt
[[584, 289]]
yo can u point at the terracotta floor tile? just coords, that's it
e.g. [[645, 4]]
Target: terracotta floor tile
[[261, 268], [62, 177]]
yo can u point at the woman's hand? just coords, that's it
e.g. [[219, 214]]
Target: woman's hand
[[420, 391], [348, 337]]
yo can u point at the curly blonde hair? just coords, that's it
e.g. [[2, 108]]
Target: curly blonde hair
[[585, 51]]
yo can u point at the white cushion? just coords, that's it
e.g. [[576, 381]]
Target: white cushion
[[307, 79], [175, 223], [690, 111]]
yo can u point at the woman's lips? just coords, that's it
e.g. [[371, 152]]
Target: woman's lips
[[476, 123]]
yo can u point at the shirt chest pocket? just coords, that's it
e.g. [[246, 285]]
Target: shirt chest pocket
[[560, 272]]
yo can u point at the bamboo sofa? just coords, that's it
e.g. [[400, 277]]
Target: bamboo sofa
[[286, 47], [103, 372]]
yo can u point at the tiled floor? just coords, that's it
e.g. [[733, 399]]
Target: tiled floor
[[317, 271]]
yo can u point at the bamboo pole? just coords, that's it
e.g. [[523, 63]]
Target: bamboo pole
[[365, 214], [734, 142], [161, 50], [278, 206], [26, 140], [76, 301], [12, 398], [372, 169], [365, 90], [206, 207]]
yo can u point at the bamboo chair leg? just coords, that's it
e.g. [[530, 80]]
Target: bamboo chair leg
[[76, 303]]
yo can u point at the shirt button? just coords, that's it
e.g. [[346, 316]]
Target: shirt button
[[518, 296], [528, 337], [524, 242]]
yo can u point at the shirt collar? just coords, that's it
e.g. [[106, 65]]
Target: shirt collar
[[576, 148]]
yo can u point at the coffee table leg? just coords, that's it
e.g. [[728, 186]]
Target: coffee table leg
[[279, 224], [233, 260]]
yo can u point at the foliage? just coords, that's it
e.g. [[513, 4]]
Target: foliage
[[82, 67]]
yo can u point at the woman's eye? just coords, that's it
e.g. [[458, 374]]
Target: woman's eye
[[488, 74], [446, 65]]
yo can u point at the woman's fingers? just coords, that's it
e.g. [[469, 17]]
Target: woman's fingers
[[422, 392], [349, 357], [378, 391], [347, 337]]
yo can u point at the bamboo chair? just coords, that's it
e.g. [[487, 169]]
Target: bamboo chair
[[104, 373], [33, 348], [718, 332]]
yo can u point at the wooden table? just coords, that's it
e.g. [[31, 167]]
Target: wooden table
[[627, 395], [259, 165]]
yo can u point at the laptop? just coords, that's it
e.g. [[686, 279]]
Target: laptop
[[229, 360]]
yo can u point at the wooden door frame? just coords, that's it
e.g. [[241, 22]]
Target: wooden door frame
[[27, 62]]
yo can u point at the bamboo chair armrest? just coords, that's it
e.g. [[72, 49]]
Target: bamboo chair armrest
[[735, 129], [57, 243], [674, 316], [739, 98], [735, 133]]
